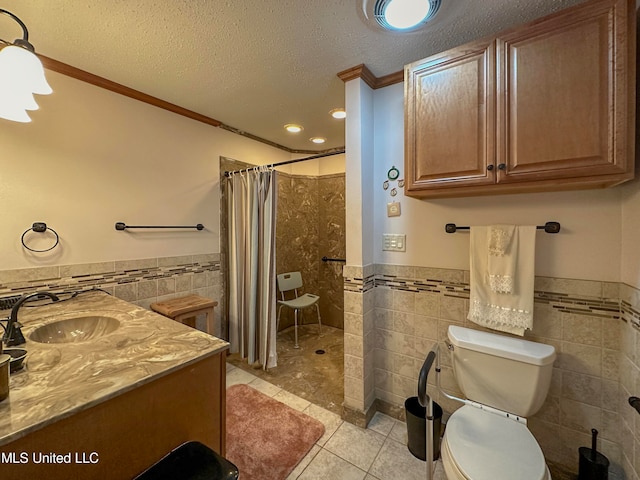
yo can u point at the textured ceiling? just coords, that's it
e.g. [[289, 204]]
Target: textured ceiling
[[254, 65]]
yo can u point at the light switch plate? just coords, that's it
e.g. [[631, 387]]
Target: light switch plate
[[393, 209], [394, 242]]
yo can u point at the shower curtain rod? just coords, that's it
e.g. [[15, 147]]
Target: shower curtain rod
[[338, 152]]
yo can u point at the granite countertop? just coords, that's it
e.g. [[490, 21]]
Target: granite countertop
[[62, 379]]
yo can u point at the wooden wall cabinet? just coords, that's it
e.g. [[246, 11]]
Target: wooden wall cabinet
[[547, 106]]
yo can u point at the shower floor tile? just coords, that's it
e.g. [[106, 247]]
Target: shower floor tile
[[316, 377]]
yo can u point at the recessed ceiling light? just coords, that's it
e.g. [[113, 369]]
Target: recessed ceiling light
[[293, 128], [338, 113], [318, 139]]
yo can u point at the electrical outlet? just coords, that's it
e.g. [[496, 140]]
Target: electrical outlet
[[394, 242]]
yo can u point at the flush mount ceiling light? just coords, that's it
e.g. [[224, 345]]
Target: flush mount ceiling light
[[338, 113], [21, 76], [401, 15], [318, 139], [293, 128]]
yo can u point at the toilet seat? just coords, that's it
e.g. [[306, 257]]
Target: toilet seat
[[480, 445]]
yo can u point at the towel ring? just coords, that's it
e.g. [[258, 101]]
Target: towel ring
[[40, 227]]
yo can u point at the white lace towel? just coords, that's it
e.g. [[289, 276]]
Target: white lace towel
[[502, 259], [512, 313]]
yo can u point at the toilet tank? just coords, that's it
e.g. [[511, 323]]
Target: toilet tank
[[506, 373]]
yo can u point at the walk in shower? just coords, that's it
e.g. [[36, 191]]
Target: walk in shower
[[310, 238]]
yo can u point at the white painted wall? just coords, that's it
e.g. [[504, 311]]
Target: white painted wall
[[91, 158], [630, 264], [359, 177], [588, 247]]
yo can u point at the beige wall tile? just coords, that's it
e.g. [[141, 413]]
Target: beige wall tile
[[127, 291], [426, 327], [610, 363], [175, 261], [580, 358], [583, 288], [352, 271], [582, 388], [404, 301], [353, 366], [406, 366], [87, 269], [353, 345], [582, 329], [404, 323], [353, 302], [384, 298], [125, 265], [547, 322], [427, 303], [383, 319], [166, 286], [199, 280], [28, 274], [550, 410], [453, 308], [611, 329], [147, 289], [440, 274], [183, 282], [580, 416], [353, 324], [383, 361]]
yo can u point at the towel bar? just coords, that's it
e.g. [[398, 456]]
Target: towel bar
[[549, 227], [122, 226]]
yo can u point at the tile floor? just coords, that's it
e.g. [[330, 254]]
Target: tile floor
[[346, 452], [315, 377]]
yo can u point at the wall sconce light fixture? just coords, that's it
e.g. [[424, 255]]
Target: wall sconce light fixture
[[21, 76]]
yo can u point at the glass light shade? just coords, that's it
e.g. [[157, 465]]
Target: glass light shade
[[10, 109], [318, 139], [403, 14], [15, 99], [23, 68], [15, 115]]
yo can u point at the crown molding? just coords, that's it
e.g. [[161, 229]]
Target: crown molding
[[361, 71]]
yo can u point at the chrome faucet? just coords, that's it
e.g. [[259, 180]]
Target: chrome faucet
[[13, 335]]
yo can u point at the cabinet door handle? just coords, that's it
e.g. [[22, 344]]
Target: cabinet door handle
[[502, 166], [489, 167]]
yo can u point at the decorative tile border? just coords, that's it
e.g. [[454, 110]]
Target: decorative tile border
[[70, 278], [601, 299], [630, 314]]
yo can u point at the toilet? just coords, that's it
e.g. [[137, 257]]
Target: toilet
[[504, 380]]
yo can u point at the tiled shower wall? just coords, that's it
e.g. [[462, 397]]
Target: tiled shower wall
[[311, 225], [141, 282], [593, 326]]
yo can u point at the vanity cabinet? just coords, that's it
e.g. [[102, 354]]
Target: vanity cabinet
[[547, 106]]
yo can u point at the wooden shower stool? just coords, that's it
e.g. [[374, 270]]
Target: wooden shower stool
[[186, 309]]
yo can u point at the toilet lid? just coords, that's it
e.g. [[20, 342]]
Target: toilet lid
[[487, 446]]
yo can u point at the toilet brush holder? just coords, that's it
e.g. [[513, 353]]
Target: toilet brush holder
[[593, 465]]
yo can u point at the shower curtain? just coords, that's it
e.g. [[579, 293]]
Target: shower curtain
[[251, 200]]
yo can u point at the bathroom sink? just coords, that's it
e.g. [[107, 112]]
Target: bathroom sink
[[75, 329]]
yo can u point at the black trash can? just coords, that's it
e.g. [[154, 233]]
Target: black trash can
[[191, 461], [417, 428]]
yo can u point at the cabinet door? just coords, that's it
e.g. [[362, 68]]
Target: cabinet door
[[450, 119], [564, 96]]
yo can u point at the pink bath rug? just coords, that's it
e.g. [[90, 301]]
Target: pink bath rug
[[266, 439]]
